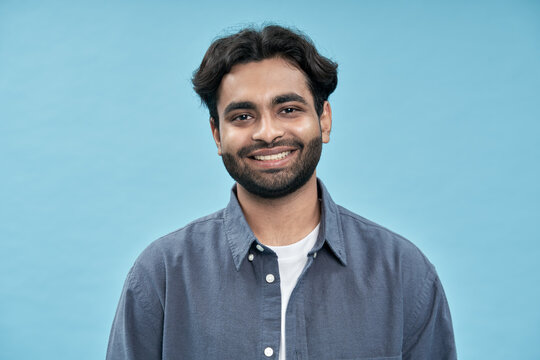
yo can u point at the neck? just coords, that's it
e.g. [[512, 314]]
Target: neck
[[282, 221]]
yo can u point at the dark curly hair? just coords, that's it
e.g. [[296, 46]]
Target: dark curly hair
[[251, 44]]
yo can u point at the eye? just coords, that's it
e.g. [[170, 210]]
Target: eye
[[242, 117], [289, 110]]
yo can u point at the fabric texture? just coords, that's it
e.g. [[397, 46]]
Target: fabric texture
[[365, 293], [291, 261]]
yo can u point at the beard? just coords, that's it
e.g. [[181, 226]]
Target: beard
[[275, 183]]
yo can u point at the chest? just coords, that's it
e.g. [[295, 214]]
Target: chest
[[334, 312]]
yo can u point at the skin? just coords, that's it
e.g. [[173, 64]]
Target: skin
[[261, 103]]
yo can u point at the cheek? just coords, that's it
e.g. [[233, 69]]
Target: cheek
[[231, 141], [306, 128]]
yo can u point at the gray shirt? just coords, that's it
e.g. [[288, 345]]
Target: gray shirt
[[210, 290]]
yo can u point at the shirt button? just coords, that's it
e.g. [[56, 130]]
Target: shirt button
[[270, 279], [251, 257], [260, 248], [268, 352], [314, 255]]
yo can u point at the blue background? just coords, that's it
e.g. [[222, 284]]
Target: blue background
[[104, 147]]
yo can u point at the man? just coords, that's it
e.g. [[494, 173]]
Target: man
[[282, 271]]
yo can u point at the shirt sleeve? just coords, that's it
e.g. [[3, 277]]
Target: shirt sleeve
[[430, 334], [138, 324]]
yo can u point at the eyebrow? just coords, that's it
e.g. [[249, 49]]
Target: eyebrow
[[239, 105], [280, 99]]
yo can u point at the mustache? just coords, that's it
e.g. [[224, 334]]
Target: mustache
[[246, 150]]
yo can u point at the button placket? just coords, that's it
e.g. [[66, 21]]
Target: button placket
[[271, 307]]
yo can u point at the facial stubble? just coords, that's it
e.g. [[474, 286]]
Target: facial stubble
[[275, 183]]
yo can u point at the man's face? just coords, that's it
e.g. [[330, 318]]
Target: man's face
[[269, 136]]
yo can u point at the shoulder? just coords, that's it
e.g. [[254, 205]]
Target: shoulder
[[184, 236], [388, 258], [365, 238], [189, 239]]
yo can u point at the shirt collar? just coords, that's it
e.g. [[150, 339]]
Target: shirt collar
[[240, 237]]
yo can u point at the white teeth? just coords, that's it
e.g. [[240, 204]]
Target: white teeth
[[273, 156]]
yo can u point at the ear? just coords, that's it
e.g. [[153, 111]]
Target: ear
[[325, 121], [215, 134]]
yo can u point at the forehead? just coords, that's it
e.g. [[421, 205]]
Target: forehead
[[259, 82]]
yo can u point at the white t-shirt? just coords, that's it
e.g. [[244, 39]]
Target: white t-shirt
[[291, 259]]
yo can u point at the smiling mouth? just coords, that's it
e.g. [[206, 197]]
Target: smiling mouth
[[277, 156]]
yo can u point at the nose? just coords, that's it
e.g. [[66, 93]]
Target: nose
[[268, 129]]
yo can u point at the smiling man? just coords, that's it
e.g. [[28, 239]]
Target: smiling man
[[270, 133], [282, 272]]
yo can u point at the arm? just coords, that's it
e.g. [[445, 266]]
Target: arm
[[138, 324], [429, 335]]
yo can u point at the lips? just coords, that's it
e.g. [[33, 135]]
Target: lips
[[264, 149], [277, 156], [271, 159]]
